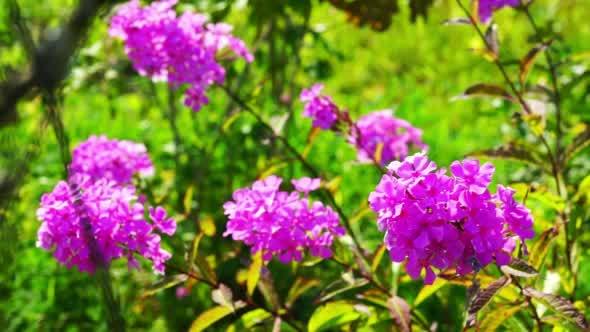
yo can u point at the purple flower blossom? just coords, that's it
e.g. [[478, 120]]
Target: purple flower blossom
[[179, 50], [102, 158], [306, 185], [320, 108], [487, 7], [433, 220], [280, 223], [99, 220], [396, 137]]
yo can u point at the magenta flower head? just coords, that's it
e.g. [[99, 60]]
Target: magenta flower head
[[179, 50], [320, 108], [88, 221], [306, 185], [115, 160], [487, 7], [395, 136], [280, 223], [434, 220]]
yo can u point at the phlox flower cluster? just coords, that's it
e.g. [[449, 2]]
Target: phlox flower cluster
[[486, 8], [432, 219], [181, 50], [96, 216], [377, 130], [394, 136], [116, 160], [280, 223], [320, 108]]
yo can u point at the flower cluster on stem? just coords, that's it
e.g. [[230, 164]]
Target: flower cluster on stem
[[432, 219]]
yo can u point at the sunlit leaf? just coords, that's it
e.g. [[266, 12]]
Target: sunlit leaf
[[560, 305], [207, 225], [541, 247], [300, 286], [519, 268], [400, 312], [254, 317], [254, 272], [332, 315], [579, 143], [355, 285], [187, 201], [164, 283], [429, 290], [491, 37], [223, 296], [482, 297], [377, 258], [209, 317], [529, 59], [493, 319]]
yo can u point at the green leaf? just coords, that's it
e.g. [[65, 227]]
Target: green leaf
[[300, 286], [512, 151], [527, 62], [332, 315], [541, 247], [579, 143], [400, 312], [254, 272], [482, 297], [254, 317], [560, 305], [187, 201], [377, 258], [209, 317], [164, 283], [429, 290], [493, 319], [519, 268], [357, 284]]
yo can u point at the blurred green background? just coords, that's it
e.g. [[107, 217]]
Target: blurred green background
[[414, 68]]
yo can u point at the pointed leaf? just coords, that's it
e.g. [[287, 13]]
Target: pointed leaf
[[377, 258], [491, 38], [429, 290], [482, 298], [300, 286], [513, 151], [541, 247], [187, 201], [457, 21], [493, 319], [400, 312], [527, 62], [519, 268], [254, 272], [223, 296], [209, 317], [560, 305], [254, 317], [357, 284], [486, 90], [332, 315], [579, 143], [164, 283]]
